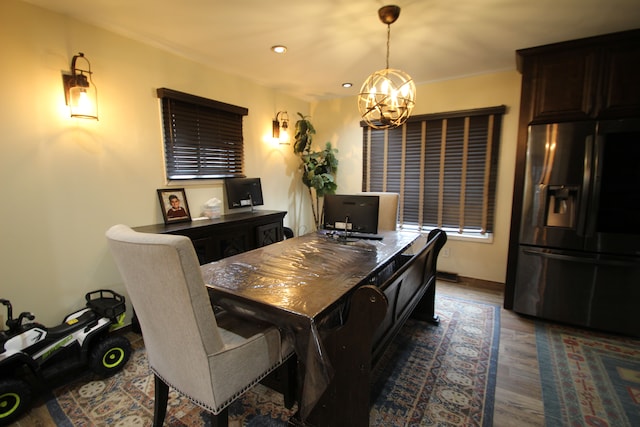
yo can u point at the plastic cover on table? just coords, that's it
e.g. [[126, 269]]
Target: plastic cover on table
[[305, 279]]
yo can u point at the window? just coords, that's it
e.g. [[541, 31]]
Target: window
[[444, 166], [202, 137]]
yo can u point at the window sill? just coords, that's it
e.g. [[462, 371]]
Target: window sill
[[455, 235]]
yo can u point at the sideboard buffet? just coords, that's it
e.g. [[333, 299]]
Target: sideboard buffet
[[231, 234]]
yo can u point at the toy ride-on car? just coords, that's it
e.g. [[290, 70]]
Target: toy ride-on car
[[31, 353]]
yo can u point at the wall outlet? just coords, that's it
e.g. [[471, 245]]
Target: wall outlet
[[445, 252]]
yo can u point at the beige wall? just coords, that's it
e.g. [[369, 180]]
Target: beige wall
[[67, 180]]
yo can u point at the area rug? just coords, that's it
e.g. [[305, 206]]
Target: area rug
[[588, 378], [441, 375], [431, 375]]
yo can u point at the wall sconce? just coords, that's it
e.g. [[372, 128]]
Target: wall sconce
[[80, 94], [281, 121]]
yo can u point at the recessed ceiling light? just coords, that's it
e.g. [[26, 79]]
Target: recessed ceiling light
[[347, 84], [279, 48]]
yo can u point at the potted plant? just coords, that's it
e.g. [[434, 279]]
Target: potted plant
[[318, 167]]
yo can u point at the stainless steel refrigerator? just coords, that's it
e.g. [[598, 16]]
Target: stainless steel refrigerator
[[579, 252]]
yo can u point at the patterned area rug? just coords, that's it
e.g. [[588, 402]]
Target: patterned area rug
[[441, 375], [431, 375], [588, 378]]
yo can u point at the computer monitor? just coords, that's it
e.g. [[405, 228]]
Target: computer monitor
[[351, 213], [243, 192]]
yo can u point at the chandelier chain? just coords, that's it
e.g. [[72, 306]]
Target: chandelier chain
[[388, 42]]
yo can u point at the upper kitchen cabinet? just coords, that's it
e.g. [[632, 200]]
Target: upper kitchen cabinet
[[621, 80], [597, 77]]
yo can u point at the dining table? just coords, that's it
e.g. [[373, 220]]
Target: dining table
[[321, 289]]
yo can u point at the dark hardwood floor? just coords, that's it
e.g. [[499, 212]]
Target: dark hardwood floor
[[518, 399]]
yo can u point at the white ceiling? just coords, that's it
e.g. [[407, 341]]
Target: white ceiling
[[336, 41]]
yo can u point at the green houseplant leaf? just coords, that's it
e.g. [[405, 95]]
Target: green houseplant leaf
[[318, 167]]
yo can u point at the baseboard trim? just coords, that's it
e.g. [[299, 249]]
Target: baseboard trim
[[446, 276]]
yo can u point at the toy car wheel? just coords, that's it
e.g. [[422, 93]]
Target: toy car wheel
[[15, 397], [110, 355]]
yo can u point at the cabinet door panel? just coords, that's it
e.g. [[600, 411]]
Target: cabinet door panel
[[564, 85], [229, 244], [203, 250], [268, 234], [621, 81]]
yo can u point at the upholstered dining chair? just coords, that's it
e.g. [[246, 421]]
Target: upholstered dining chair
[[387, 211], [210, 358]]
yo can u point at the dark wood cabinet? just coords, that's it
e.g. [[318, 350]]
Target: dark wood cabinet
[[592, 78], [228, 235]]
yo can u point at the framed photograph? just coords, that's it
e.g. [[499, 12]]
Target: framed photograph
[[174, 206]]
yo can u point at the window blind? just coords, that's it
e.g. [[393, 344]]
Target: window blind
[[444, 166], [202, 137]]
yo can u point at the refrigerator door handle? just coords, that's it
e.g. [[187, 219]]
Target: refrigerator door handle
[[582, 259], [583, 229], [594, 196]]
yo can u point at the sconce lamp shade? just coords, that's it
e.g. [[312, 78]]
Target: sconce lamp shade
[[81, 94], [280, 126], [387, 98]]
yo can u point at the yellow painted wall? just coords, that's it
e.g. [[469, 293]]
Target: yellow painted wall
[[65, 181]]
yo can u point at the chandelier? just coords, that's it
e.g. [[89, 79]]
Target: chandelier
[[387, 96]]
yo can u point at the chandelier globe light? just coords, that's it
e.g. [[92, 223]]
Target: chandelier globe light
[[388, 96]]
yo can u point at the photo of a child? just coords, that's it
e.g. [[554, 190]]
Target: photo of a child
[[173, 203]]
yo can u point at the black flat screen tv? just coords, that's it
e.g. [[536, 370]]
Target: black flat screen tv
[[243, 192], [347, 212]]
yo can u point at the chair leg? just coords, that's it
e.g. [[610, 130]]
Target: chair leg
[[220, 420], [160, 403]]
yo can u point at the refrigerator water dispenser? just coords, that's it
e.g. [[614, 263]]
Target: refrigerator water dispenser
[[562, 202]]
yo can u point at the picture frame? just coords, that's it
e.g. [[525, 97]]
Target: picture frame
[[174, 205]]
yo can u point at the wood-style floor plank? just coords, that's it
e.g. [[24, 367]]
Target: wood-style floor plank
[[518, 400]]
